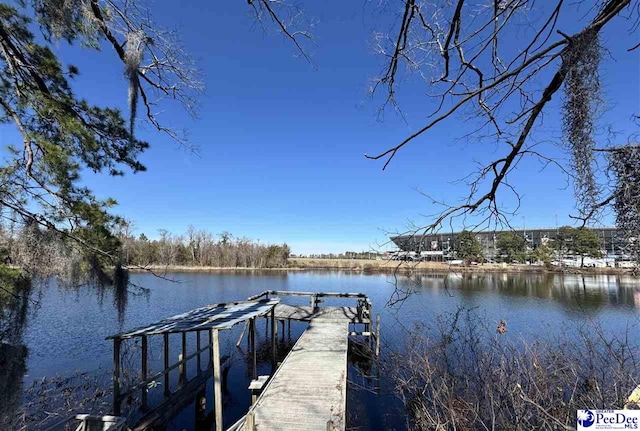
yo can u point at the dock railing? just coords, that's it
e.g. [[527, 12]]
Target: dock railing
[[364, 304], [364, 309]]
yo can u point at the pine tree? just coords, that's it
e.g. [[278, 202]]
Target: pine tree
[[62, 134]]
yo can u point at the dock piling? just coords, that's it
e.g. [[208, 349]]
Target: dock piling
[[116, 376], [273, 340], [198, 348], [144, 371], [167, 390], [183, 365], [217, 383]]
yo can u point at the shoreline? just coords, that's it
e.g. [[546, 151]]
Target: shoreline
[[386, 266]]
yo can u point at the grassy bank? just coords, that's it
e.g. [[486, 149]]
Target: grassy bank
[[382, 266], [426, 267]]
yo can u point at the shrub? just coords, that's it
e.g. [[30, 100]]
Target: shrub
[[461, 374]]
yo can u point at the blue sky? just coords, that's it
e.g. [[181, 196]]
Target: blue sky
[[282, 144]]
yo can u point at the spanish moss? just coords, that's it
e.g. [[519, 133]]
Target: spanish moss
[[133, 57], [580, 108]]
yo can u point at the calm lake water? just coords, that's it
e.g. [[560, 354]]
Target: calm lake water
[[65, 332]]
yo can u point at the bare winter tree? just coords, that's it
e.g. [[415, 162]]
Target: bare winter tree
[[470, 61], [461, 50]]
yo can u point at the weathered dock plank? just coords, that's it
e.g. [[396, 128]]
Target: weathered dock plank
[[309, 389], [306, 313]]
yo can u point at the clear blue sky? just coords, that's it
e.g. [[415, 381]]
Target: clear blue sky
[[282, 144]]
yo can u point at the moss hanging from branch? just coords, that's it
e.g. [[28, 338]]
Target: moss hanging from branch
[[132, 59], [580, 108]]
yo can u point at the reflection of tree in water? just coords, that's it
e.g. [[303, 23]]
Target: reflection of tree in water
[[14, 304], [120, 292], [571, 290], [117, 284]]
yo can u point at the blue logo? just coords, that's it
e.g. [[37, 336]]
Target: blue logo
[[586, 418]]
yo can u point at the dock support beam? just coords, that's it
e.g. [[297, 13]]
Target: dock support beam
[[250, 422], [217, 382], [183, 364], [254, 353], [283, 323], [198, 350], [144, 371], [167, 390], [116, 376], [274, 347], [244, 328]]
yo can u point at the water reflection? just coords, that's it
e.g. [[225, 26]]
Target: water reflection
[[574, 291], [14, 304], [67, 333]]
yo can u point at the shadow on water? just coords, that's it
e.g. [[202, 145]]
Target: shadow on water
[[14, 306], [20, 302]]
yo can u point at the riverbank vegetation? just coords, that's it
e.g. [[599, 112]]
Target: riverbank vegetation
[[44, 253], [200, 248], [394, 266], [464, 373]]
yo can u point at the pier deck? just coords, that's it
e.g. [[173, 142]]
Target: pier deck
[[320, 314], [308, 389]]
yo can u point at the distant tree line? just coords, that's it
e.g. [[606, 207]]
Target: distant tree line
[[200, 248], [346, 255], [43, 252]]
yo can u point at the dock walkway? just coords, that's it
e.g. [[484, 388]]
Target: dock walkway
[[324, 314], [308, 389]]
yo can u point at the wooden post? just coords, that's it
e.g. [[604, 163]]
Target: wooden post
[[250, 422], [283, 323], [377, 335], [167, 390], [244, 328], [253, 349], [367, 329], [273, 340], [210, 351], [145, 371], [201, 406], [183, 366], [217, 383], [198, 349], [116, 376]]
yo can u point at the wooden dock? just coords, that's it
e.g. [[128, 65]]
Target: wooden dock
[[308, 390], [324, 314]]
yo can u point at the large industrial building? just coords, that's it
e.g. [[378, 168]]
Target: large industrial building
[[440, 246]]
